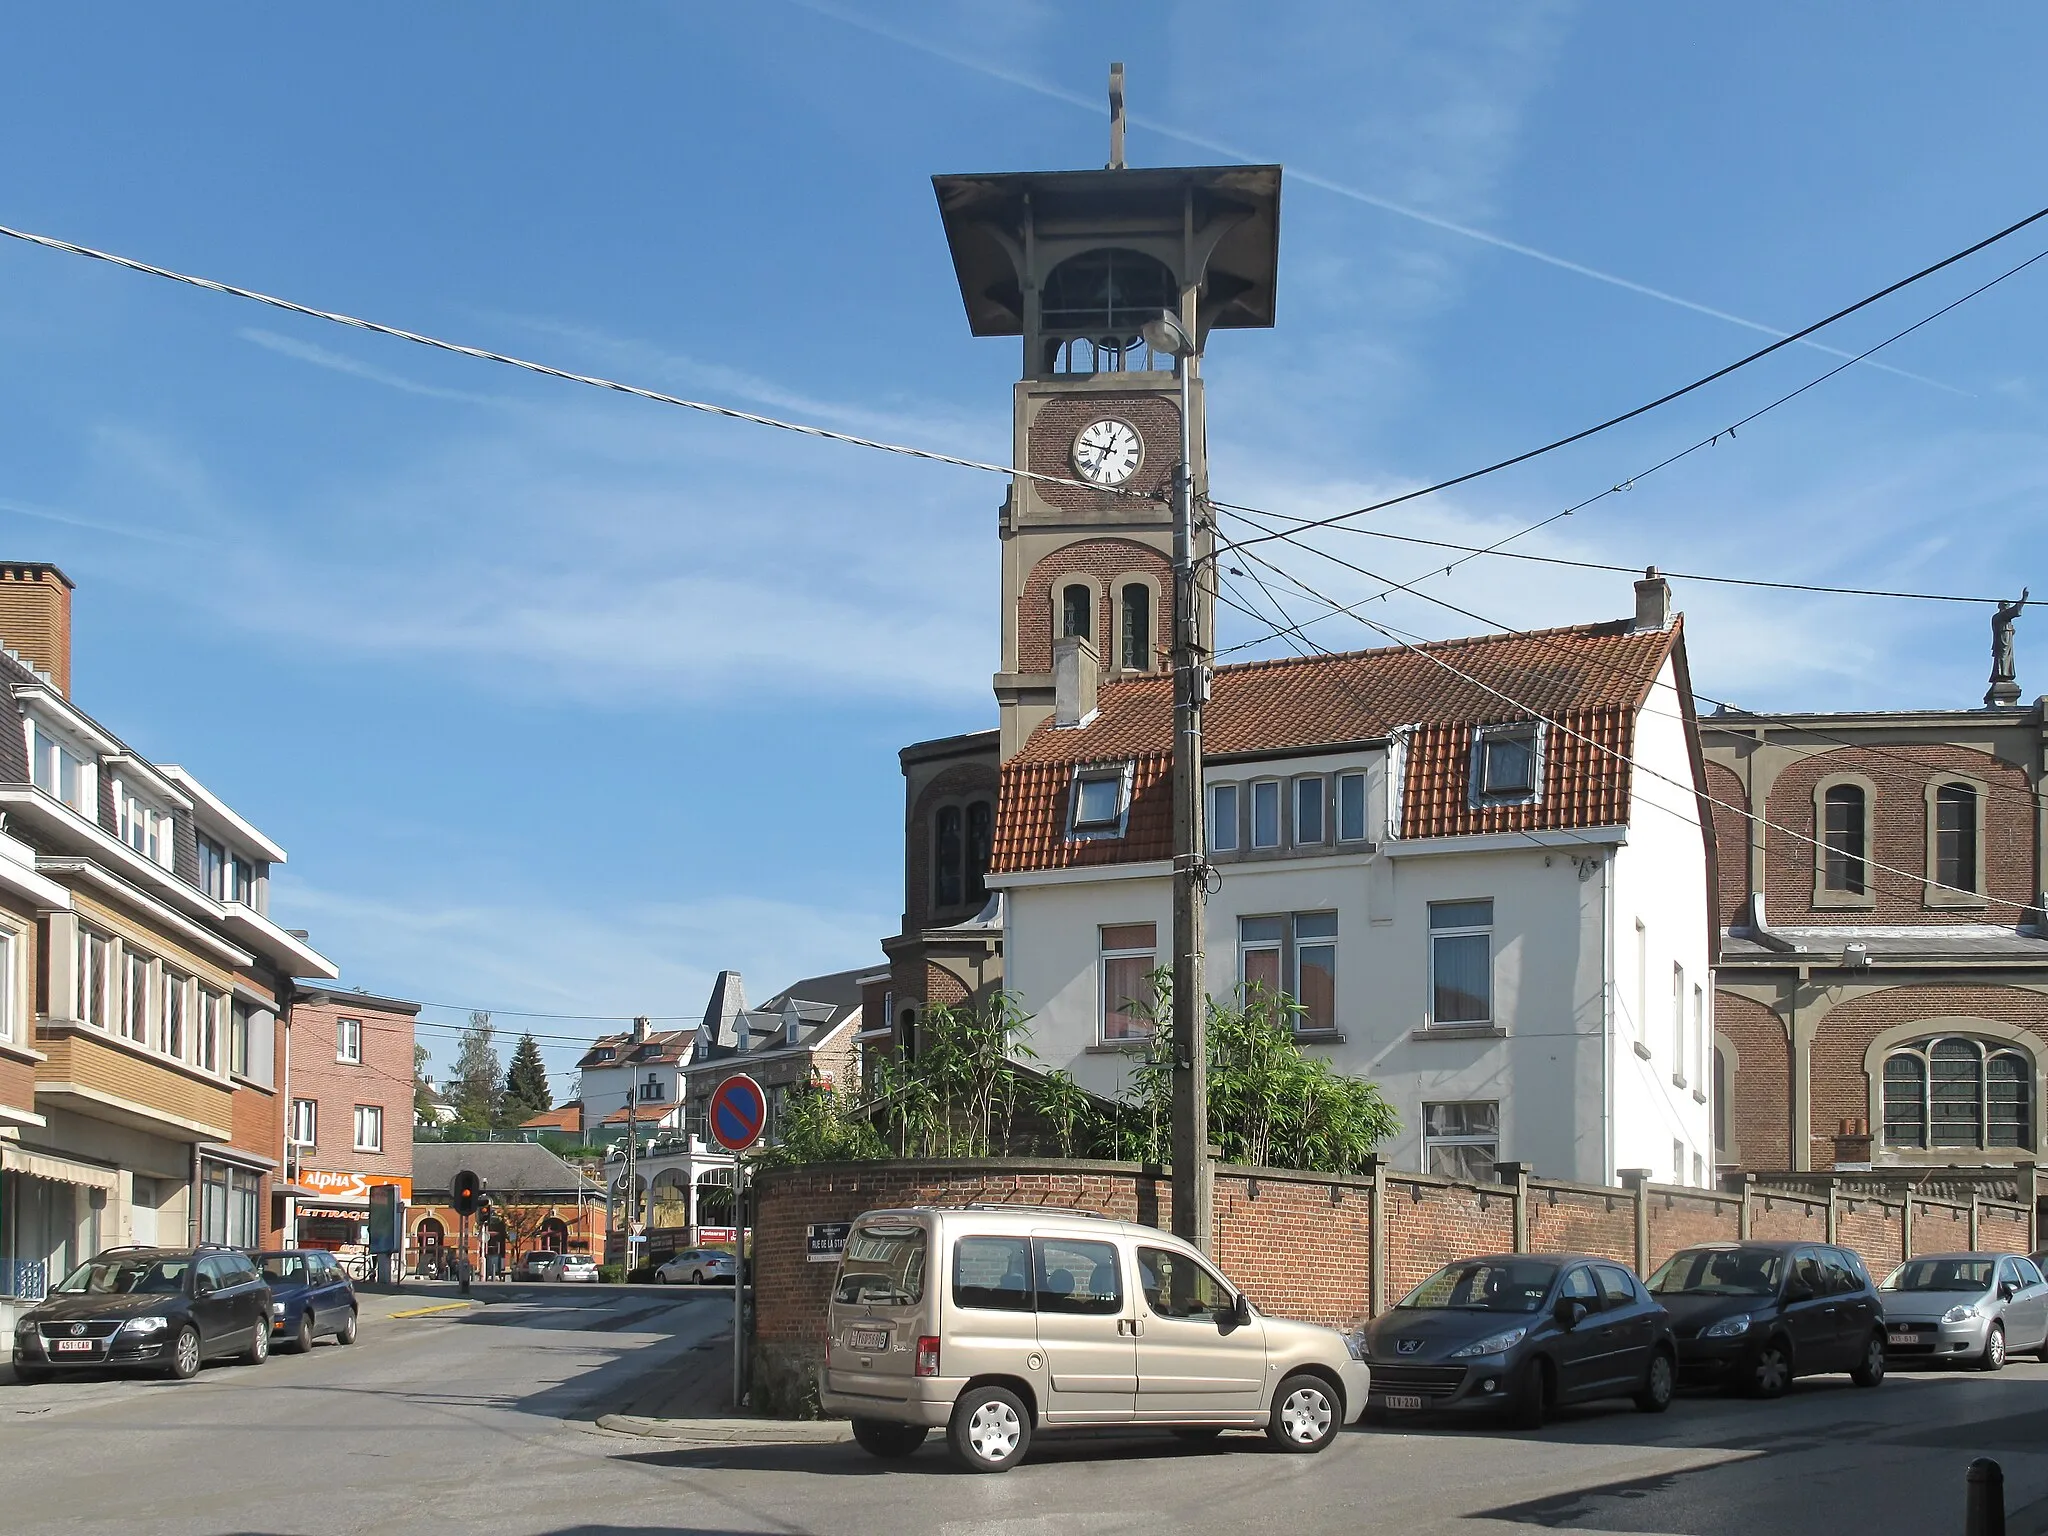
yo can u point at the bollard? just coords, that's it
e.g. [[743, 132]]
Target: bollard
[[1984, 1503]]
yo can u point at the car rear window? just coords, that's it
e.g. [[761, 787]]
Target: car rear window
[[883, 1265]]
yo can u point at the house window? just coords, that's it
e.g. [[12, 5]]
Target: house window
[[1261, 950], [1699, 1035], [1721, 1100], [1266, 813], [1130, 953], [238, 1038], [1955, 837], [1350, 807], [143, 827], [95, 978], [1461, 1141], [1223, 818], [1100, 799], [305, 1122], [1461, 962], [171, 1015], [1315, 970], [348, 1040], [1843, 840], [6, 985], [1677, 1161], [213, 869], [1957, 1093], [1137, 627], [1308, 811], [1075, 603], [1678, 1026], [1642, 1019], [653, 1091], [61, 770], [209, 1030], [242, 882], [135, 997], [1506, 763], [1699, 1171], [369, 1128]]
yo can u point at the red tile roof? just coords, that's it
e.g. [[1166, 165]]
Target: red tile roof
[[568, 1117], [1589, 678]]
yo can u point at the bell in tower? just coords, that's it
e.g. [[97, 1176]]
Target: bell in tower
[[1073, 263]]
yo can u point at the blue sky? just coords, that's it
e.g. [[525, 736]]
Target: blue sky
[[562, 701]]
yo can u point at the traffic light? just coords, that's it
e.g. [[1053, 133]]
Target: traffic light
[[466, 1193]]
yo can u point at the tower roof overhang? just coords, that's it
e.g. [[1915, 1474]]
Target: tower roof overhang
[[1224, 220]]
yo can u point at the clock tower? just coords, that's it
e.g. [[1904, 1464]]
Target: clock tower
[[1073, 263]]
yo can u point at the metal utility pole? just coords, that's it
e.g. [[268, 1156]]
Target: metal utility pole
[[1193, 1184], [632, 1184]]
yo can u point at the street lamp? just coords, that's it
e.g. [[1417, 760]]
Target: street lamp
[[1192, 1202]]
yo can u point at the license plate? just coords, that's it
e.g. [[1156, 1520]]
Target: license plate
[[1402, 1400], [1903, 1338], [869, 1339], [76, 1346]]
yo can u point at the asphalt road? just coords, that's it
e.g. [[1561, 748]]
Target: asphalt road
[[481, 1420]]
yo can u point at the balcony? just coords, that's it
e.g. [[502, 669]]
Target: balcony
[[89, 1075]]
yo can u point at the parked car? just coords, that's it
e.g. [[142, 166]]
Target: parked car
[[562, 1266], [1522, 1334], [1752, 1316], [1974, 1307], [697, 1266], [995, 1323], [310, 1297], [535, 1265], [157, 1309]]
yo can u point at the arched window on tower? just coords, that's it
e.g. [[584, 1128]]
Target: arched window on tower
[[1075, 617], [981, 842], [963, 841], [946, 849], [1844, 859], [1137, 627]]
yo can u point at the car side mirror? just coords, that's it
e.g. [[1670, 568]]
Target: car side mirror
[[2007, 1290], [1569, 1311], [1241, 1310], [204, 1285]]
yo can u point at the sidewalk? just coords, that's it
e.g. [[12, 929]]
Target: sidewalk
[[695, 1408]]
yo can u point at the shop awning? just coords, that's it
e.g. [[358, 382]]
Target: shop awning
[[62, 1170]]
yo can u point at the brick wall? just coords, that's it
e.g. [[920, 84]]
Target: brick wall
[[1898, 821], [1874, 1228], [961, 782], [1430, 1223], [1680, 1219], [1157, 419], [1759, 1083], [1299, 1247], [1775, 1218], [383, 1078], [1566, 1218], [1731, 838], [1106, 560]]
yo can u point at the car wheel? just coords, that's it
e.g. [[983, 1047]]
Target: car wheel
[[185, 1354], [991, 1430], [347, 1335], [696, 1277], [1660, 1384], [1871, 1372], [302, 1343], [1771, 1372], [259, 1347], [1993, 1358], [1306, 1414], [878, 1437], [1535, 1394]]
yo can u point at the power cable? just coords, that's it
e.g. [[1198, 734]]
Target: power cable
[[1669, 396]]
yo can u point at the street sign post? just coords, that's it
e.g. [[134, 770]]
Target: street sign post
[[737, 1115]]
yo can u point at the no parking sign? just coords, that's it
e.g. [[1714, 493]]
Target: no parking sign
[[738, 1113]]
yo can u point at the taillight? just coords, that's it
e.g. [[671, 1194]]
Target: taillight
[[928, 1356]]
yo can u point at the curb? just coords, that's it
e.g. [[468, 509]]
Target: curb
[[730, 1431]]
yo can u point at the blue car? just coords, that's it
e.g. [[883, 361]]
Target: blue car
[[309, 1297]]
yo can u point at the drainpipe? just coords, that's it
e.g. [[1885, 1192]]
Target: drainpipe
[[1607, 1019], [288, 1227]]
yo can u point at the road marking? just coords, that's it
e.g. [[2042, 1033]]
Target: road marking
[[446, 1306]]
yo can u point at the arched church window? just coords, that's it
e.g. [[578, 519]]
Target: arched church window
[[981, 842], [1137, 627], [1957, 1093], [1955, 836], [1076, 602], [963, 841], [946, 849], [1844, 840]]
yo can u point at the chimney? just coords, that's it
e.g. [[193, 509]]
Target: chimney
[[640, 1027], [1852, 1144], [35, 618], [1653, 602], [1076, 668]]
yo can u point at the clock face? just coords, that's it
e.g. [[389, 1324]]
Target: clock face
[[1108, 452]]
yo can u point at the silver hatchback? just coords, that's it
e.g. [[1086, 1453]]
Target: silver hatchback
[[1965, 1307]]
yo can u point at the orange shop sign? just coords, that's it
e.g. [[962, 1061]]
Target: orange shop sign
[[351, 1186]]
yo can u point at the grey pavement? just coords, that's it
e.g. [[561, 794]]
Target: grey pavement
[[485, 1418]]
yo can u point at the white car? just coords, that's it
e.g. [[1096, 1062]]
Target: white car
[[696, 1266], [573, 1266]]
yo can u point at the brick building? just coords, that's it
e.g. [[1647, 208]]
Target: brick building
[[807, 1033], [348, 1085], [540, 1203], [1883, 991]]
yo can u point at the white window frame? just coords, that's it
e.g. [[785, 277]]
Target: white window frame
[[1278, 792], [305, 1122], [170, 1013], [1347, 783], [1699, 1036], [1678, 1050], [1222, 826], [1310, 791], [1297, 942], [348, 1041], [1530, 733], [1462, 1139], [206, 1037], [1104, 1003], [143, 825], [369, 1117], [1642, 1019], [8, 991], [1468, 931], [1099, 827], [85, 764]]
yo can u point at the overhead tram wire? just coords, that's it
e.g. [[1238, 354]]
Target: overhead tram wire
[[1498, 548], [1661, 400]]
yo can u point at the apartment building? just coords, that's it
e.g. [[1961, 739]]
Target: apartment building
[[142, 980], [634, 1074], [348, 1087]]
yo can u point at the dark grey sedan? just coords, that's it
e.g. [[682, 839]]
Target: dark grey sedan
[[1522, 1334]]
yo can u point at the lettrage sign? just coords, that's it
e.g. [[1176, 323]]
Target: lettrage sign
[[825, 1241]]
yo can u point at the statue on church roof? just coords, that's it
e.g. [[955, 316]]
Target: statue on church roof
[[2005, 689]]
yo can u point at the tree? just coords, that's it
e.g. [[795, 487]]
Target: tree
[[526, 1084], [422, 1095], [477, 1074]]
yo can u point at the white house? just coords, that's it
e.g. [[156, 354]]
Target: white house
[[644, 1065], [1479, 867]]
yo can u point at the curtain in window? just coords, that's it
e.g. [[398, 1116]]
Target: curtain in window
[[1127, 996], [946, 846], [1843, 860], [1905, 1100], [1462, 967], [1955, 836], [1955, 1094]]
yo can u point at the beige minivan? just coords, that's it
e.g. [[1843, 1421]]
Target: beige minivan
[[997, 1321]]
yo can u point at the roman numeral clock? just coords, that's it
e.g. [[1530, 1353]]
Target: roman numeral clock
[[1073, 263]]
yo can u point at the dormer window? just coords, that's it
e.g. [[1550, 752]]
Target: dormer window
[[789, 1031], [224, 876], [1100, 802], [143, 827], [1507, 764], [60, 769]]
